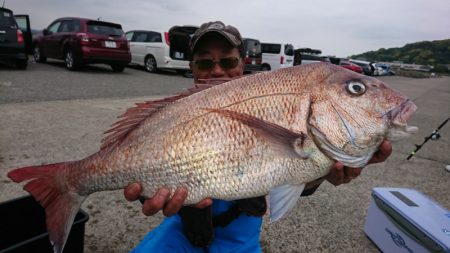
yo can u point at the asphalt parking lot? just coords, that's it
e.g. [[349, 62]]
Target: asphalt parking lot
[[49, 114]]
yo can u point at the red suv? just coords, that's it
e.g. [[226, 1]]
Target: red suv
[[79, 41]]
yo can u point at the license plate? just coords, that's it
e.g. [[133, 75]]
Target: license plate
[[253, 62], [111, 44]]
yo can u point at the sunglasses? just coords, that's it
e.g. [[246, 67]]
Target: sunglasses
[[224, 63]]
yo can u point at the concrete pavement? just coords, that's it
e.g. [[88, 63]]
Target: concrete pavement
[[331, 220]]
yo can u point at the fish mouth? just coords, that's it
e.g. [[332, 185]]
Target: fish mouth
[[398, 118], [400, 114]]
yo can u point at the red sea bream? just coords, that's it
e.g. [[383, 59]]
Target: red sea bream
[[263, 134]]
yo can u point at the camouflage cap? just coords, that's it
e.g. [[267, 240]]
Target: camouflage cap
[[229, 32]]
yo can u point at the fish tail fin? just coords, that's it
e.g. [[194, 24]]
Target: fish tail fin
[[46, 184]]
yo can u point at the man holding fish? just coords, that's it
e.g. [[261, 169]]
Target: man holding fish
[[216, 53], [277, 134]]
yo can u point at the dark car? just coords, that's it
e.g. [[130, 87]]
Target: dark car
[[80, 41], [12, 40], [252, 55], [365, 65], [301, 58]]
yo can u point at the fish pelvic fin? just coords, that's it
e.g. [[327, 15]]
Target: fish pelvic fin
[[282, 141], [282, 199], [46, 186]]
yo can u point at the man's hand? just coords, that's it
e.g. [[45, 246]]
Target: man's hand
[[161, 200], [340, 174], [383, 153]]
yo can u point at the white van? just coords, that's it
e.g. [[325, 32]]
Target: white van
[[276, 56], [152, 50]]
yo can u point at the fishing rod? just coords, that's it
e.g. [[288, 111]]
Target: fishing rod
[[433, 136]]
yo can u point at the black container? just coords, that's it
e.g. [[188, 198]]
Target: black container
[[22, 228]]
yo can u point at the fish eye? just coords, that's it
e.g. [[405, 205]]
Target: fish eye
[[356, 87]]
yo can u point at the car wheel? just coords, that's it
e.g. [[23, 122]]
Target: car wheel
[[21, 64], [150, 64], [117, 67], [37, 53], [265, 68], [71, 60]]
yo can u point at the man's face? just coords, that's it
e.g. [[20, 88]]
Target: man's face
[[215, 48]]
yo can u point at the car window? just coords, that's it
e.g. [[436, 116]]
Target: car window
[[104, 28], [270, 48], [22, 23], [76, 25], [54, 27], [129, 36], [140, 37], [154, 37], [289, 50], [67, 26], [7, 19]]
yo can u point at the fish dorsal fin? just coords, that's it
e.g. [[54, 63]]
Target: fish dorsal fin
[[282, 141], [282, 199], [136, 115]]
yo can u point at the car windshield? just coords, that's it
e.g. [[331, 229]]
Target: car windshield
[[6, 19], [103, 28]]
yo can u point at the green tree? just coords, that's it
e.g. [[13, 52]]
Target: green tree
[[423, 52]]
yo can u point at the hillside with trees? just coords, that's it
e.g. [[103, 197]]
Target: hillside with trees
[[434, 53]]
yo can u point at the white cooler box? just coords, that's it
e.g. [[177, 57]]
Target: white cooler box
[[405, 220]]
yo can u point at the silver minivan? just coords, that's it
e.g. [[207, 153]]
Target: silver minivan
[[152, 49], [276, 56]]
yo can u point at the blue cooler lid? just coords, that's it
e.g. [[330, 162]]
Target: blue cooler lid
[[422, 218]]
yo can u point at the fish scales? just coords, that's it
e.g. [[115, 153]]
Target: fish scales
[[196, 126]]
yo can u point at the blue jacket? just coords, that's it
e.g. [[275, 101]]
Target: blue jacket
[[241, 235]]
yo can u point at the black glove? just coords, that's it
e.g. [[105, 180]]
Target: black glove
[[254, 206], [198, 224]]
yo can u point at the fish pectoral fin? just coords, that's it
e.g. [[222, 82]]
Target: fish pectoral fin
[[282, 141], [283, 198]]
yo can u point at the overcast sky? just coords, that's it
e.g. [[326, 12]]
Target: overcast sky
[[337, 27]]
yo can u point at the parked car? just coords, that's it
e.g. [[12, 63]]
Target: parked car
[[252, 55], [384, 69], [303, 59], [351, 66], [12, 40], [276, 56], [153, 50], [365, 65], [80, 41]]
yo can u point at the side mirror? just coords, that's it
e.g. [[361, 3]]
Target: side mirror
[[46, 32]]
